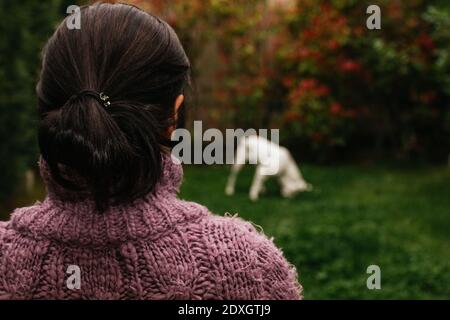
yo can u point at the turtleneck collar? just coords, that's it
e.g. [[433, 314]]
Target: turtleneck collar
[[67, 216]]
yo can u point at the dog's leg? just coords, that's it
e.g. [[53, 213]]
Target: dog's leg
[[239, 162], [258, 183], [229, 190]]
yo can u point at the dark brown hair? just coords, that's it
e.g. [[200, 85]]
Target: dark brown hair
[[137, 60]]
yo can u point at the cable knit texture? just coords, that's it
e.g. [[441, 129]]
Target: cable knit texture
[[158, 247]]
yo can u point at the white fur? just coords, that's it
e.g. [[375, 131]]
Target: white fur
[[271, 160]]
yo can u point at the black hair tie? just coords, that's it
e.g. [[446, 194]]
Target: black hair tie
[[101, 97]]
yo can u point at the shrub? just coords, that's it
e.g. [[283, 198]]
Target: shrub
[[314, 70], [24, 25]]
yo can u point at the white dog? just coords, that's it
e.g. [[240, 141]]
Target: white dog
[[271, 160]]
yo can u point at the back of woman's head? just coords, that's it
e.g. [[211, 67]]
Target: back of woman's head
[[114, 144]]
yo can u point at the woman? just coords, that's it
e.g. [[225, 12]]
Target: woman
[[111, 226]]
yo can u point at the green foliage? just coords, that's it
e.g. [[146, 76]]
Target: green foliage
[[334, 87], [24, 26], [395, 218], [440, 20], [384, 89]]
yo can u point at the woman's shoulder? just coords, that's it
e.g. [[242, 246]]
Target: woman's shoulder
[[243, 258], [233, 227], [8, 231], [7, 236], [3, 225]]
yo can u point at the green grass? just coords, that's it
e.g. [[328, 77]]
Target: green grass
[[395, 218]]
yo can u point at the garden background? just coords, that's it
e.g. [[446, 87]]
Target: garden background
[[365, 112]]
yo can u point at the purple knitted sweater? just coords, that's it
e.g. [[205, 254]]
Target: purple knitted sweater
[[158, 247]]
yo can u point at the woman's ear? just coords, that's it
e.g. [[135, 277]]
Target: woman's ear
[[178, 102]]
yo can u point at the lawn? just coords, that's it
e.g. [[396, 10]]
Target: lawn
[[395, 218]]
